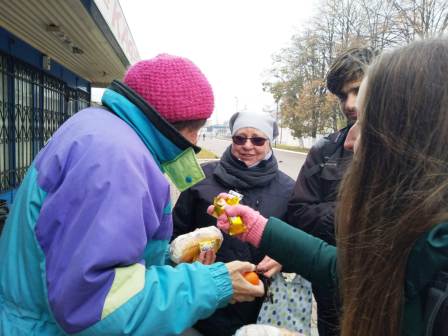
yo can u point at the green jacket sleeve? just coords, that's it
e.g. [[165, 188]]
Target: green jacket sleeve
[[296, 250]]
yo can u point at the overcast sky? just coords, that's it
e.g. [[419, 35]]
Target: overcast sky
[[232, 41]]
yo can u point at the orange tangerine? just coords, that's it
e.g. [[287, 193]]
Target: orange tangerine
[[252, 277]]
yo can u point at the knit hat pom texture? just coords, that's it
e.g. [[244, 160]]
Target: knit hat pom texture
[[174, 86]]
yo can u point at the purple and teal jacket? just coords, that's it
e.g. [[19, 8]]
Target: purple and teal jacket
[[84, 248]]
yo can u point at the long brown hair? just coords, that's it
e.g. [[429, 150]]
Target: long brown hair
[[397, 185]]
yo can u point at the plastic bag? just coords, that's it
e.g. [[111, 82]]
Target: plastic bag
[[290, 305], [264, 330]]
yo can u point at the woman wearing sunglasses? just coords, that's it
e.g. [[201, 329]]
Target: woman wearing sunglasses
[[249, 167]]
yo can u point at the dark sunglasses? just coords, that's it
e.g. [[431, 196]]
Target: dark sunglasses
[[256, 141]]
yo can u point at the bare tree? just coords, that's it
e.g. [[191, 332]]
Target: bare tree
[[378, 19], [421, 18], [297, 79]]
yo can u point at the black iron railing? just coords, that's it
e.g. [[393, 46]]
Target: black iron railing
[[33, 105]]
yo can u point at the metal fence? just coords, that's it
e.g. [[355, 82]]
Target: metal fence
[[33, 105]]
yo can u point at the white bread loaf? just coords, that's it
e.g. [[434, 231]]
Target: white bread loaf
[[187, 247]]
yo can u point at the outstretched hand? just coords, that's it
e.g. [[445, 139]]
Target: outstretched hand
[[269, 267], [254, 222]]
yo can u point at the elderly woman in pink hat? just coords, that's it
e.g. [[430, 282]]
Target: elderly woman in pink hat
[[83, 250]]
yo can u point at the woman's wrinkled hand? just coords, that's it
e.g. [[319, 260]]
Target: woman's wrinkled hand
[[269, 267], [243, 290]]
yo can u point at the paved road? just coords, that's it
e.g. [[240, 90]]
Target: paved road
[[288, 161]]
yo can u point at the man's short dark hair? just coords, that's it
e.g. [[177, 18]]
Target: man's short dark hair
[[348, 67]]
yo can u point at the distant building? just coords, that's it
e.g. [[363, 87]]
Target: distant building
[[217, 130], [51, 54], [286, 138]]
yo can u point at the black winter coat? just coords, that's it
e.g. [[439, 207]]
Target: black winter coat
[[190, 213], [313, 203]]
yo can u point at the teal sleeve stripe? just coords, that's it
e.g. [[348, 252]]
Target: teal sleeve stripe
[[168, 208], [155, 253], [172, 300], [29, 199], [300, 252], [23, 268]]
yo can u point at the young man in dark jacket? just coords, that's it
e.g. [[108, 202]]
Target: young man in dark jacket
[[312, 205]]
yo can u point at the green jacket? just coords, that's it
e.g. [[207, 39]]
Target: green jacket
[[315, 260]]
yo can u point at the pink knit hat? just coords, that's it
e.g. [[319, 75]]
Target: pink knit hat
[[174, 86]]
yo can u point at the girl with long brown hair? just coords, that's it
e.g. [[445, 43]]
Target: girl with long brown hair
[[392, 223], [396, 189]]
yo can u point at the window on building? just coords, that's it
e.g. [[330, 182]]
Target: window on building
[[4, 126], [33, 105], [23, 119]]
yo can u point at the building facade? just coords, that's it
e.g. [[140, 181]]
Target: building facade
[[52, 52]]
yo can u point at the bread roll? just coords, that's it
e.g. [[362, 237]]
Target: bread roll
[[187, 247]]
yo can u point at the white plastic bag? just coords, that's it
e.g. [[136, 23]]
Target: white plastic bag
[[264, 330]]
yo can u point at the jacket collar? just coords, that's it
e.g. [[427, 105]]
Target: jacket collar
[[172, 152], [162, 125]]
